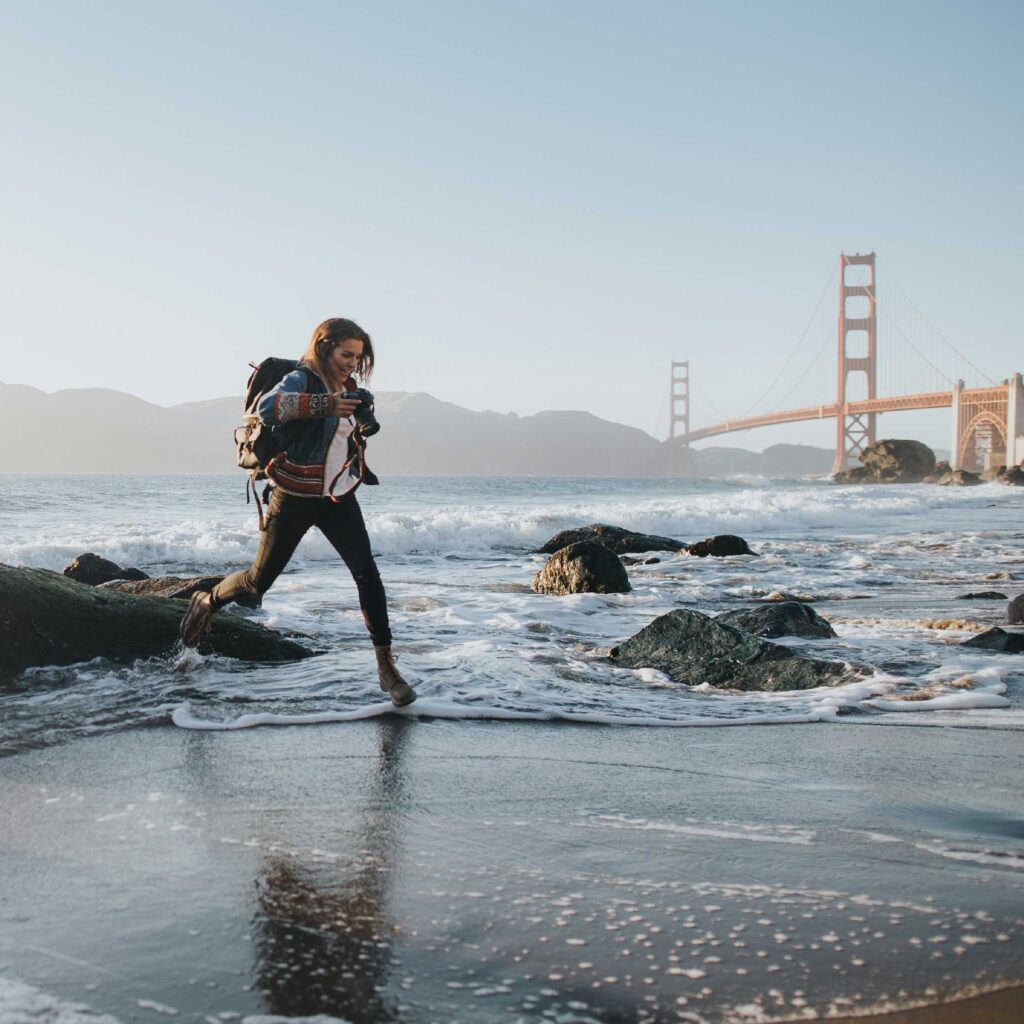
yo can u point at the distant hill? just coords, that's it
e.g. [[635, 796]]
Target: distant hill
[[102, 431]]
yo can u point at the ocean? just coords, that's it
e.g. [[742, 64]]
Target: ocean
[[888, 566]]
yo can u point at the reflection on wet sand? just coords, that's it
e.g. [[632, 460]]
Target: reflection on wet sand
[[323, 933]]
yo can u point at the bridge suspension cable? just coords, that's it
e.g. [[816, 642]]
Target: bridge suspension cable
[[792, 355], [816, 361], [718, 412], [960, 363]]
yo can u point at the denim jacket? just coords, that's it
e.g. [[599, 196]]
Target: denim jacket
[[299, 404]]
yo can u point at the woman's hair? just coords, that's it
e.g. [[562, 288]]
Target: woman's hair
[[327, 337]]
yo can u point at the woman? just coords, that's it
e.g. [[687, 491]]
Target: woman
[[314, 478]]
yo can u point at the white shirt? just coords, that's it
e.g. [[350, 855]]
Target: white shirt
[[337, 456]]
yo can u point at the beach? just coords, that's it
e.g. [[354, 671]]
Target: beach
[[543, 835], [428, 870]]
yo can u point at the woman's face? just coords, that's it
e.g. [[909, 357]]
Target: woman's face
[[345, 357]]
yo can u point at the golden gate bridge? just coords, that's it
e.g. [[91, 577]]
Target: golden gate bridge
[[879, 354]]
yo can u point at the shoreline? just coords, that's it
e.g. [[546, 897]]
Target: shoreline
[[999, 1006]]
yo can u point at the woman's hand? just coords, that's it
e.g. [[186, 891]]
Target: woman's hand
[[342, 406]]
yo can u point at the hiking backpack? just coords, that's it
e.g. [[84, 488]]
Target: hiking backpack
[[259, 442]]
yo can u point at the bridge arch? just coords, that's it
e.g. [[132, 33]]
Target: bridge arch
[[985, 431]]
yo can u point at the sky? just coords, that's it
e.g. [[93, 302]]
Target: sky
[[528, 205]]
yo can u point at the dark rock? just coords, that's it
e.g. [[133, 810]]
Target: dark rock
[[1015, 611], [177, 587], [94, 570], [694, 648], [1013, 477], [582, 568], [721, 546], [941, 469], [891, 461], [983, 595], [633, 560], [959, 478], [615, 538], [47, 619], [853, 475], [996, 639], [992, 473], [786, 618]]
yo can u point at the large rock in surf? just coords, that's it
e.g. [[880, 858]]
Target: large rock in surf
[[784, 618], [615, 538], [176, 587], [1015, 611], [94, 570], [1013, 477], [179, 588], [47, 619], [996, 639], [959, 478], [582, 568], [694, 648], [724, 545], [891, 461], [942, 467]]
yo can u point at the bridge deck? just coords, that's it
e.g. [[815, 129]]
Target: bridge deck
[[929, 400]]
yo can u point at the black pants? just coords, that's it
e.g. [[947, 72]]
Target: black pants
[[288, 519]]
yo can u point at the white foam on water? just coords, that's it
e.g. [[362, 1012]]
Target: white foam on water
[[949, 701], [21, 1003], [990, 858], [520, 521], [732, 830], [24, 1004], [185, 718]]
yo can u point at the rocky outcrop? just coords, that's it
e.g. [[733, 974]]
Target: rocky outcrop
[[959, 478], [992, 473], [1015, 611], [722, 546], [1013, 477], [983, 595], [634, 560], [47, 619], [177, 587], [582, 568], [694, 648], [615, 538], [891, 461], [95, 570], [786, 618], [941, 469], [996, 639]]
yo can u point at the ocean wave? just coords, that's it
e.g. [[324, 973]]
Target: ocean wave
[[470, 528]]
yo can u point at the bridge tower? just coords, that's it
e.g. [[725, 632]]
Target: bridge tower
[[679, 418], [857, 337], [680, 396]]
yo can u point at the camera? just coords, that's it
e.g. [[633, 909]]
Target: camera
[[366, 422]]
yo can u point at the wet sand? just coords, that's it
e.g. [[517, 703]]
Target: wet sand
[[398, 870]]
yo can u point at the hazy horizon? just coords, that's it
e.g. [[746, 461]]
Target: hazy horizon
[[755, 441]]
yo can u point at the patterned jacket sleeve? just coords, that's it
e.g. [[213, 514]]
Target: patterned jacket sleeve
[[289, 400]]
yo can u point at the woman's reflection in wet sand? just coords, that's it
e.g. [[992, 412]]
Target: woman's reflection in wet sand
[[322, 932]]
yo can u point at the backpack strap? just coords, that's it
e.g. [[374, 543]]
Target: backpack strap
[[357, 456], [251, 485]]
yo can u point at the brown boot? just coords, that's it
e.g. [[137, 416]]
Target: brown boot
[[196, 622], [391, 681]]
